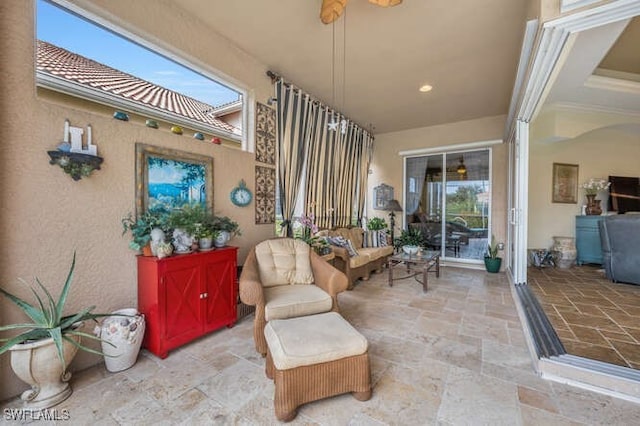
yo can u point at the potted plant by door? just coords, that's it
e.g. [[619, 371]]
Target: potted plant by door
[[491, 260], [41, 354]]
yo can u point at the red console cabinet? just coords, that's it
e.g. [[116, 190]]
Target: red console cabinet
[[186, 296]]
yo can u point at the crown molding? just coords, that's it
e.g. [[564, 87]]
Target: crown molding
[[588, 108], [613, 84], [569, 5]]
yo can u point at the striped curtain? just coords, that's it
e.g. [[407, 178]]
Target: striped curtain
[[337, 172], [333, 166], [293, 116]]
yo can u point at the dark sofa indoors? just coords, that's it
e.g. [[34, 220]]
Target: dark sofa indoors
[[620, 238]]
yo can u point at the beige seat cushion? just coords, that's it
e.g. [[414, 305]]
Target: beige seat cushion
[[359, 260], [284, 261], [312, 340], [288, 301], [375, 253]]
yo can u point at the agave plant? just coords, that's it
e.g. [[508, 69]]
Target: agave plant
[[48, 319]]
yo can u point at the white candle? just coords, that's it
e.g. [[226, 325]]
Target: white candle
[[66, 131]]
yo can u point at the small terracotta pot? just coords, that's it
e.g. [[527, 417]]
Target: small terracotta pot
[[146, 250]]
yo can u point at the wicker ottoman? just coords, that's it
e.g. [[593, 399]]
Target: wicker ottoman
[[315, 357]]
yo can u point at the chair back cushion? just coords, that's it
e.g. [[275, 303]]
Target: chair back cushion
[[284, 261]]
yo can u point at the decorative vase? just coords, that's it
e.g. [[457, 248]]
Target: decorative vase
[[157, 238], [593, 205], [122, 337], [492, 264], [182, 241], [222, 239], [565, 251], [164, 250], [38, 365]]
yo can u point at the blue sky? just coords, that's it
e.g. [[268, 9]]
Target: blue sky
[[75, 34]]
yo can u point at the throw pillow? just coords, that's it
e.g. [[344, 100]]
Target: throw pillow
[[383, 238], [370, 239], [351, 249], [344, 243]]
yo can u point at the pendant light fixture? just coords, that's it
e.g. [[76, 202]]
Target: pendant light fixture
[[462, 169]]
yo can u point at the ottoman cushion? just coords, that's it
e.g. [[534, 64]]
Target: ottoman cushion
[[312, 340]]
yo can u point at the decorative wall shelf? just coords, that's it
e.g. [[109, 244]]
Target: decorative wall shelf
[[75, 164]]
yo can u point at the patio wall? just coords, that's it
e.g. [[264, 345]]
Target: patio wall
[[45, 215]]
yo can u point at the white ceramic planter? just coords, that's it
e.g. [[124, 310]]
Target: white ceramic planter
[[205, 243], [124, 333], [38, 365], [222, 239]]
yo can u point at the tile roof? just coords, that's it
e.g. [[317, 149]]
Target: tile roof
[[62, 63]]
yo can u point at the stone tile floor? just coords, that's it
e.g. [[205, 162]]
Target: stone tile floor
[[455, 355], [593, 317]]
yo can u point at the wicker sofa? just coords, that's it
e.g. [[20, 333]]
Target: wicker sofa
[[367, 260]]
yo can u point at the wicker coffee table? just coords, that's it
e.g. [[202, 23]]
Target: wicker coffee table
[[429, 261]]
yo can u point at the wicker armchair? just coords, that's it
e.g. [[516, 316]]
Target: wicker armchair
[[284, 278]]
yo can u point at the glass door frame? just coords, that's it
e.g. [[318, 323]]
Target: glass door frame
[[445, 152]]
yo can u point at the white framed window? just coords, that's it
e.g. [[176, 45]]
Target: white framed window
[[97, 60]]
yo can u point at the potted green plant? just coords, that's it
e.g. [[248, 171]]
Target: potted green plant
[[194, 220], [227, 229], [491, 260], [41, 354], [205, 235], [410, 241], [376, 224], [141, 227]]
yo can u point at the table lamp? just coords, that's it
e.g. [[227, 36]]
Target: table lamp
[[392, 207]]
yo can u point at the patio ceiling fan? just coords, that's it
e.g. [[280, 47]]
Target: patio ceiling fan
[[332, 9]]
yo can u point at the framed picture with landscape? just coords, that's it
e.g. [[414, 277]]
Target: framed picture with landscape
[[565, 183], [170, 178]]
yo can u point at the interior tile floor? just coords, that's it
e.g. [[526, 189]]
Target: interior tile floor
[[455, 355], [593, 317]]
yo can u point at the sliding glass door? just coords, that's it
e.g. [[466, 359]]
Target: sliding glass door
[[447, 198]]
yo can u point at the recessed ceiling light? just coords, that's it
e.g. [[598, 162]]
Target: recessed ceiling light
[[426, 88]]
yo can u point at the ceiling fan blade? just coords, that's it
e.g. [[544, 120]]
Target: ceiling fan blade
[[331, 10], [386, 3]]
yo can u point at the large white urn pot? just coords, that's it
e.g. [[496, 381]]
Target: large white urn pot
[[121, 338], [565, 251], [37, 364]]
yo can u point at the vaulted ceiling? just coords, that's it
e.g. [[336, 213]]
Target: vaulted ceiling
[[467, 50]]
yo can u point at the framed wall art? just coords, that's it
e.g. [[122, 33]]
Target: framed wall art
[[170, 178], [565, 183], [381, 195]]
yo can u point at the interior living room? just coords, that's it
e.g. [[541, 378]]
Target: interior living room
[[483, 121]]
